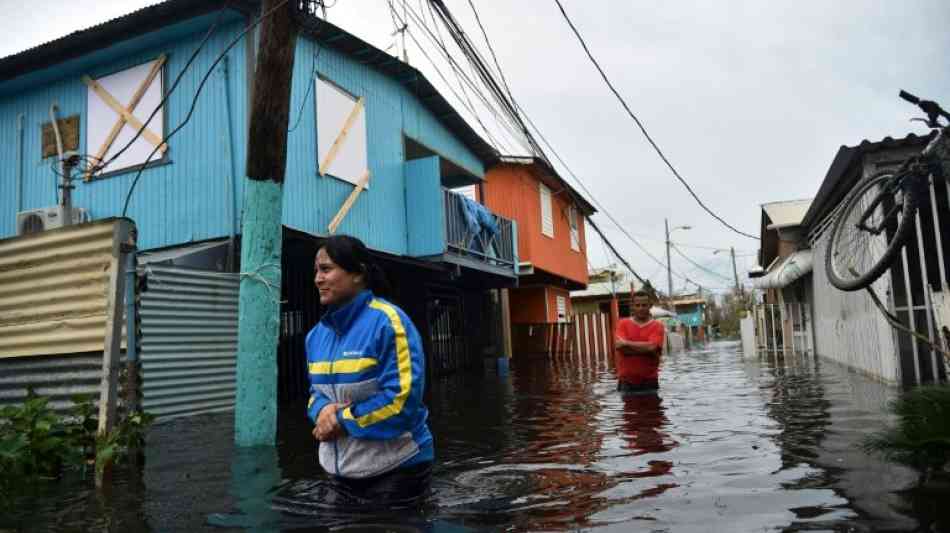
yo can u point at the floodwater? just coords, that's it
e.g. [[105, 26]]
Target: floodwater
[[732, 444]]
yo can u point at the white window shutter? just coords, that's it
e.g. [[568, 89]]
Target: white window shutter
[[137, 90], [575, 233], [561, 309], [547, 212], [341, 121]]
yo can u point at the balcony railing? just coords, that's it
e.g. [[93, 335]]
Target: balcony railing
[[482, 236]]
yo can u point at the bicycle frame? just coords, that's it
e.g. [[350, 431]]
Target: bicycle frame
[[889, 190]]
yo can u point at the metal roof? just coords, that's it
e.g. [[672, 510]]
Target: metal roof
[[158, 16], [786, 214], [835, 186]]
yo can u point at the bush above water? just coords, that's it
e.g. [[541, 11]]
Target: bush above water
[[921, 436], [37, 443]]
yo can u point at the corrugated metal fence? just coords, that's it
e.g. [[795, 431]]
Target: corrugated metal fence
[[53, 305], [53, 290], [189, 335]]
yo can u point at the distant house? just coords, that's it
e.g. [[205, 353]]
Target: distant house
[[605, 285], [690, 312], [785, 277], [358, 116], [552, 242]]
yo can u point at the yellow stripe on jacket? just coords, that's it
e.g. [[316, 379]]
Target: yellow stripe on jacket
[[342, 366], [403, 364]]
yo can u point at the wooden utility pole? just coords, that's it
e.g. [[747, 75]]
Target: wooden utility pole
[[735, 272], [255, 416]]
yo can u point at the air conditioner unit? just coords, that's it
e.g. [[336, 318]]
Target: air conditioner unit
[[37, 220]]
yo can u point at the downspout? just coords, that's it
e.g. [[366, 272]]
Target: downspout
[[59, 141], [131, 333], [19, 162], [230, 193]]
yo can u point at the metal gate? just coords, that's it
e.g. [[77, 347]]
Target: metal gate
[[448, 343], [189, 336], [784, 328]]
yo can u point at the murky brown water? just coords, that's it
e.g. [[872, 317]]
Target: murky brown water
[[731, 445]]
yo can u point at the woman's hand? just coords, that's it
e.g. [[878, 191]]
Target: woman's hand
[[327, 427]]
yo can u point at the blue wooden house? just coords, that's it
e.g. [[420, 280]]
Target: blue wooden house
[[360, 118]]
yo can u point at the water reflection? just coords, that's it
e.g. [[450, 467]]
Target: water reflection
[[729, 444]]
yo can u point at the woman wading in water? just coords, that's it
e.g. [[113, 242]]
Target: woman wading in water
[[367, 370]]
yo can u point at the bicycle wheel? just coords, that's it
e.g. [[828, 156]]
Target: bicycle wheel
[[856, 257]]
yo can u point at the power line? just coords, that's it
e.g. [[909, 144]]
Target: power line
[[507, 126], [310, 84], [697, 265], [194, 101], [643, 129], [138, 133], [466, 102]]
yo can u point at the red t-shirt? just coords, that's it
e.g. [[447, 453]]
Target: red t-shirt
[[636, 369]]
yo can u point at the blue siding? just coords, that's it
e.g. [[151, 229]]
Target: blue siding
[[379, 216], [426, 213], [186, 200], [174, 203]]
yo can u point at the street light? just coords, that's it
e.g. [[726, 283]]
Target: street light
[[669, 268]]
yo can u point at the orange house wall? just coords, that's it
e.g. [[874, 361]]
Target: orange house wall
[[527, 305], [552, 294], [512, 192]]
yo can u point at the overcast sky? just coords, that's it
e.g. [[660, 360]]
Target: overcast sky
[[749, 100]]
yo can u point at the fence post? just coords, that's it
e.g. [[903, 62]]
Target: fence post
[[614, 321], [108, 392]]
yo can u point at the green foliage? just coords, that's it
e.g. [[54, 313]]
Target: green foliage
[[38, 444], [727, 313], [921, 436]]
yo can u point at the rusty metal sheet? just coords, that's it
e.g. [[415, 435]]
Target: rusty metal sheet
[[53, 289]]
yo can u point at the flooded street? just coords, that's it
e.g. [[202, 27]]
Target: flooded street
[[733, 444]]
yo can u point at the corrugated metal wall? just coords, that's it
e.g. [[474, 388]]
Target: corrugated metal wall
[[188, 341], [53, 289], [53, 300], [849, 328], [58, 377], [426, 227]]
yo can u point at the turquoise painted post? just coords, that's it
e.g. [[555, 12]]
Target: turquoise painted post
[[255, 415], [255, 412]]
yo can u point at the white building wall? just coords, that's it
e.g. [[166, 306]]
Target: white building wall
[[849, 328]]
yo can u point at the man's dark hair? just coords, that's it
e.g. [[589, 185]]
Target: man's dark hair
[[642, 294]]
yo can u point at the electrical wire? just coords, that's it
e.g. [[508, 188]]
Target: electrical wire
[[194, 101], [310, 84], [643, 129], [697, 265], [465, 102], [138, 133], [508, 125]]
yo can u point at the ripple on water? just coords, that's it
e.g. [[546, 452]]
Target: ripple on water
[[730, 444]]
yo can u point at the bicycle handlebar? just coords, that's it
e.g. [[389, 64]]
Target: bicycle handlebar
[[932, 109], [909, 97]]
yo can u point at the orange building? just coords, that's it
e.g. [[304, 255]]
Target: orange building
[[552, 245]]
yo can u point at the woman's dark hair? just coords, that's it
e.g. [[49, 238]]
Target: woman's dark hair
[[350, 254]]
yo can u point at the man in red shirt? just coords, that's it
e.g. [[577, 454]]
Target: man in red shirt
[[639, 344]]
